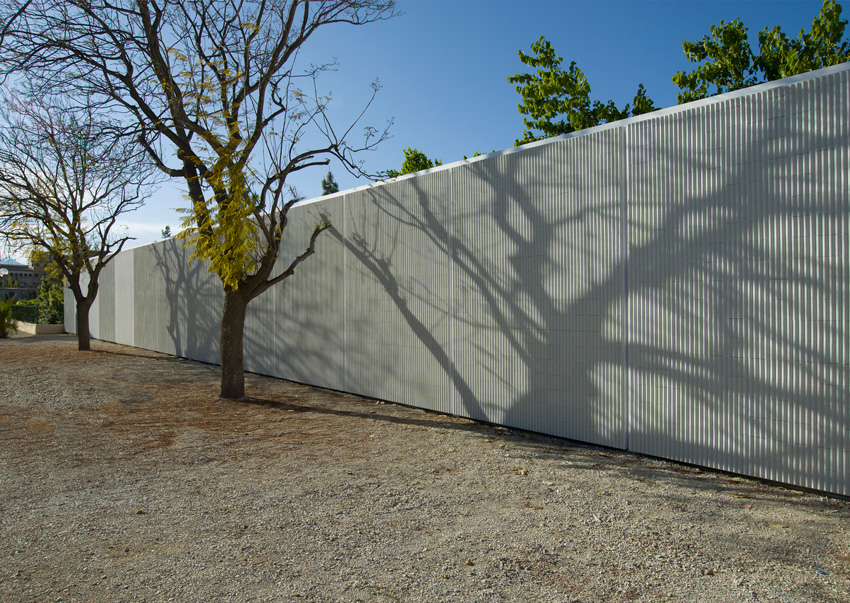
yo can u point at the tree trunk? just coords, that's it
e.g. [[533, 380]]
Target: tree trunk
[[232, 327], [83, 335]]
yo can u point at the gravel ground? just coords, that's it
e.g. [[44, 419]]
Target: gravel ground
[[124, 478]]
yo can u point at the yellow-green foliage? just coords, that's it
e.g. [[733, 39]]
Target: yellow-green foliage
[[221, 228]]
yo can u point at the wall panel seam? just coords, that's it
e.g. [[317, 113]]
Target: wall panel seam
[[624, 304], [344, 292], [451, 290]]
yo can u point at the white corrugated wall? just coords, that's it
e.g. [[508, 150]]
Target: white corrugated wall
[[675, 284]]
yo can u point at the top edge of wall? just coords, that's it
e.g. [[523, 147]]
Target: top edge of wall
[[712, 100]]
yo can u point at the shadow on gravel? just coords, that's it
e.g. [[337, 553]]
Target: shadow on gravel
[[648, 471], [181, 362], [576, 456], [28, 338], [447, 421], [653, 472]]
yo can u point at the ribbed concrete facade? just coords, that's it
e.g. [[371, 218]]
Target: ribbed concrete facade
[[675, 284]]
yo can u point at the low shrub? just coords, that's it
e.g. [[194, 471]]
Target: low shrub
[[48, 308], [7, 322]]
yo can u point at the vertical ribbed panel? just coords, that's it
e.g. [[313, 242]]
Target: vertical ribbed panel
[[738, 284], [157, 272], [196, 298], [308, 323], [397, 323], [125, 310], [496, 289], [94, 310], [259, 332], [538, 284], [178, 306], [70, 312], [106, 303]]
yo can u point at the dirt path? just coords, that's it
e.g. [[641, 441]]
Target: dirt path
[[124, 478]]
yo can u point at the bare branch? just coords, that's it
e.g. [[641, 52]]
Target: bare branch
[[311, 249], [69, 175], [218, 85]]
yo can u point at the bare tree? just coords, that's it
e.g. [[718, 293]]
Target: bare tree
[[67, 177], [220, 102]]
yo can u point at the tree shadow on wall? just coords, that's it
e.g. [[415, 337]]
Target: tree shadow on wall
[[501, 303], [308, 329], [378, 263], [732, 333], [185, 303]]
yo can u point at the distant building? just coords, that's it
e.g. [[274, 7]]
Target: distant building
[[19, 281]]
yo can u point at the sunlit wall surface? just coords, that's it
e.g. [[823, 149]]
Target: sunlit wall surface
[[674, 284]]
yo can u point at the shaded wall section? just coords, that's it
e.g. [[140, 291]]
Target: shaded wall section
[[397, 319], [308, 328], [538, 289], [674, 284], [738, 347]]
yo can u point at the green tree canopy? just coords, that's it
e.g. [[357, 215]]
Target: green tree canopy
[[726, 60], [50, 297], [557, 101], [414, 161], [479, 154], [329, 185], [49, 303]]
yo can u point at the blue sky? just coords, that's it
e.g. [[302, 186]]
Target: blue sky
[[443, 66]]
